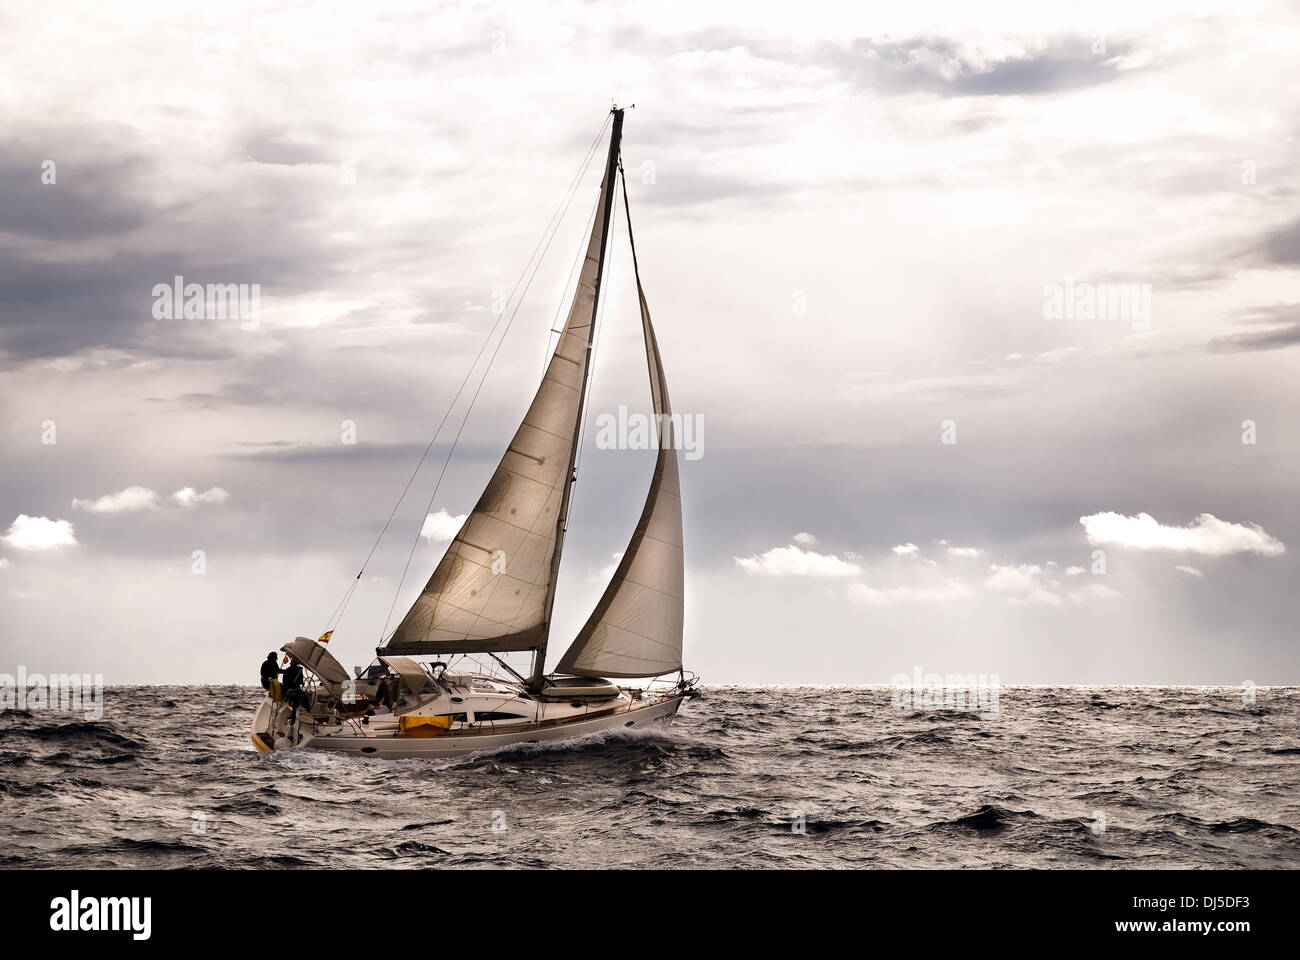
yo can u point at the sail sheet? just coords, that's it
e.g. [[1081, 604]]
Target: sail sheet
[[489, 591], [636, 628]]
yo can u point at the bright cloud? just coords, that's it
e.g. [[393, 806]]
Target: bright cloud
[[1190, 571], [39, 533], [188, 497], [1022, 583], [790, 561], [124, 501], [1093, 591], [442, 526], [606, 572], [804, 539], [1207, 535], [907, 550], [964, 551]]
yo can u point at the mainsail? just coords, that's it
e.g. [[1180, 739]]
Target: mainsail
[[494, 588], [636, 628]]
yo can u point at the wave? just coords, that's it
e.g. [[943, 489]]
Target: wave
[[990, 817], [719, 788]]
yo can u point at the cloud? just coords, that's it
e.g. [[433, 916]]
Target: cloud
[[1190, 571], [804, 539], [4, 562], [879, 596], [187, 497], [142, 498], [1057, 355], [946, 68], [1022, 583], [964, 551], [1283, 246], [39, 533], [790, 561], [1272, 339], [605, 573], [124, 501], [907, 550], [442, 526], [1074, 571], [1206, 535], [692, 189], [1093, 591]]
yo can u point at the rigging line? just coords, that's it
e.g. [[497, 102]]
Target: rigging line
[[595, 348], [464, 420], [566, 199], [564, 294]]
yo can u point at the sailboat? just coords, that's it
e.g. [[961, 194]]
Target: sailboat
[[493, 592]]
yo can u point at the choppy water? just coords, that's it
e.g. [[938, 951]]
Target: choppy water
[[1180, 777]]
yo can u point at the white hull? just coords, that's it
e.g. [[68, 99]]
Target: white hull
[[386, 740]]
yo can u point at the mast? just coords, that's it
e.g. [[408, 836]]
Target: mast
[[561, 522]]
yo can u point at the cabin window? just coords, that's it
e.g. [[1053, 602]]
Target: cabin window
[[497, 715]]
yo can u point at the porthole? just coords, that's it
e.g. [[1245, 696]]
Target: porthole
[[367, 749]]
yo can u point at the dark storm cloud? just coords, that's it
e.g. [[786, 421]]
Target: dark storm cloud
[[1283, 246], [53, 309], [1274, 339], [89, 198], [1219, 260], [936, 65], [64, 293], [929, 64]]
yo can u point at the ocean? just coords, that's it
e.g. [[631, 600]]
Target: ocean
[[747, 777]]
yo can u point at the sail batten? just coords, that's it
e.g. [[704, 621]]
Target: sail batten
[[494, 587], [636, 627]]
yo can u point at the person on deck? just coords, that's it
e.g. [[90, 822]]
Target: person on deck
[[269, 671], [293, 692], [292, 677]]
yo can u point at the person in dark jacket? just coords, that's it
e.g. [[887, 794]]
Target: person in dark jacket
[[292, 677], [269, 671], [293, 692]]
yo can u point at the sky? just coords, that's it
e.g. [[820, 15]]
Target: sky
[[990, 323]]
